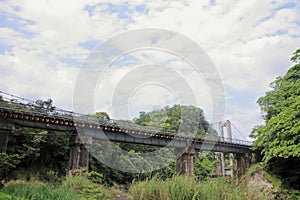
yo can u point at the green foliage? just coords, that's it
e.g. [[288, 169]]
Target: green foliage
[[36, 151], [133, 160], [29, 149], [296, 56], [279, 139], [96, 177], [282, 134], [4, 196], [177, 119], [52, 176], [103, 115], [8, 162], [204, 165], [182, 119]]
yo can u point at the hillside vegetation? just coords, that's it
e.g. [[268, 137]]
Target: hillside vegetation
[[279, 139]]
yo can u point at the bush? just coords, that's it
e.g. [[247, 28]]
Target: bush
[[96, 177], [7, 163]]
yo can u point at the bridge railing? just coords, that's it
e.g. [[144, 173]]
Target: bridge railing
[[236, 141]]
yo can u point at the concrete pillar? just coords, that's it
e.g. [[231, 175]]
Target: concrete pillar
[[241, 162], [219, 169], [79, 154], [4, 133], [237, 165], [231, 164], [223, 164], [86, 141], [84, 157], [247, 160], [184, 161], [229, 136], [74, 155], [228, 130], [221, 135]]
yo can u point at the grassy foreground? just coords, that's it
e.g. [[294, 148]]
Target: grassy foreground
[[74, 188], [184, 188], [175, 188]]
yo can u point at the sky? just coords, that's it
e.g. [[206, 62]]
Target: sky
[[45, 44]]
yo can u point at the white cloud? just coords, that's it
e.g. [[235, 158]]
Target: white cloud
[[51, 79], [250, 43], [244, 119]]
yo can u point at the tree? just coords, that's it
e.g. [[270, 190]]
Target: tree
[[102, 115], [279, 138], [45, 104], [183, 120], [296, 57], [33, 149], [7, 163], [177, 119]]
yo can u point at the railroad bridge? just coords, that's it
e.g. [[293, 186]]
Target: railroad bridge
[[13, 111]]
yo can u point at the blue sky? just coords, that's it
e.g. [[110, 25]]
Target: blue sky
[[43, 45]]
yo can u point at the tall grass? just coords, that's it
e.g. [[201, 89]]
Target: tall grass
[[86, 188], [39, 191], [179, 188], [71, 188], [184, 188], [175, 188], [4, 196], [221, 188]]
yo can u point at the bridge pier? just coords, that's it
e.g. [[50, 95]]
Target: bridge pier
[[79, 154], [4, 133], [84, 157], [184, 161], [241, 162]]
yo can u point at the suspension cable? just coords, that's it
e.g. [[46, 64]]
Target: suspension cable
[[240, 133]]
